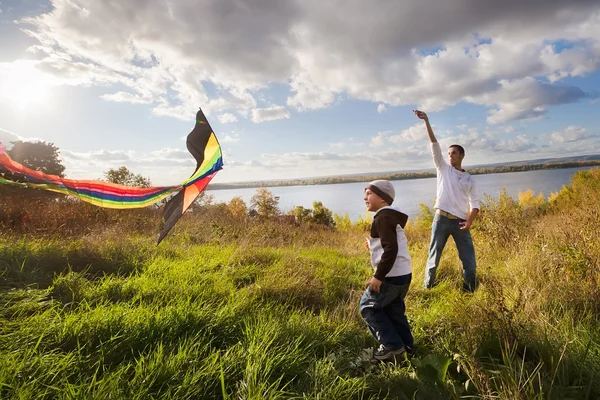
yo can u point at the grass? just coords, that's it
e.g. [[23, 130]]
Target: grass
[[232, 307]]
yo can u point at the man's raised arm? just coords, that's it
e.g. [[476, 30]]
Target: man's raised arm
[[423, 116], [436, 152]]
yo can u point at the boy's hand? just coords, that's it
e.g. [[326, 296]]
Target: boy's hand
[[375, 284], [367, 244]]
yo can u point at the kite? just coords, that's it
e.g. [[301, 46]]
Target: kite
[[201, 143]]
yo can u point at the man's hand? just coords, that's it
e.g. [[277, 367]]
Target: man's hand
[[467, 224], [421, 115], [375, 284]]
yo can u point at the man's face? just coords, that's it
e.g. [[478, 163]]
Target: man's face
[[373, 201], [454, 157]]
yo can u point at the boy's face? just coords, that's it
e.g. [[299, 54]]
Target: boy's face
[[373, 201]]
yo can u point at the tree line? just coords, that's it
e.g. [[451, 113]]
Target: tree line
[[404, 175]]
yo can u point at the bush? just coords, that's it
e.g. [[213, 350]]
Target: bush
[[265, 204], [319, 215], [342, 223], [237, 207]]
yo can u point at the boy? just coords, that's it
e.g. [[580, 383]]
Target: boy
[[382, 305]]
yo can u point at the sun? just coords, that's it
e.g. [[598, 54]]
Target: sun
[[23, 85]]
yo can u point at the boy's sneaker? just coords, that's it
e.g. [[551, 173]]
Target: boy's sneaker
[[411, 350], [383, 353]]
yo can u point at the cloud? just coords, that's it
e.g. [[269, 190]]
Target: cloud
[[381, 108], [227, 118], [519, 144], [486, 146], [6, 137], [99, 155], [155, 52], [569, 134], [338, 145], [269, 114], [353, 161], [127, 97], [171, 154], [229, 138], [415, 133], [379, 140], [525, 99]]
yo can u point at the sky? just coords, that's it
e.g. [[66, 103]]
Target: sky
[[299, 88]]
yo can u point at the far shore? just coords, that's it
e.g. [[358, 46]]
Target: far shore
[[402, 175]]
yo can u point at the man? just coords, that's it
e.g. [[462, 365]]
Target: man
[[457, 205]]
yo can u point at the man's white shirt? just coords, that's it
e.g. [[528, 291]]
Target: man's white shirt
[[456, 190]]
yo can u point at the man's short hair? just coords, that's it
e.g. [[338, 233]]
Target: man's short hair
[[459, 148]]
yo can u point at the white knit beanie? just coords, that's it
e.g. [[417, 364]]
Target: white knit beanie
[[383, 189]]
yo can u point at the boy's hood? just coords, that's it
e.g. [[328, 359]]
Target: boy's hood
[[394, 213]]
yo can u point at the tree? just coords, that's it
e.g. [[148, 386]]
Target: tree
[[302, 215], [204, 200], [124, 176], [322, 215], [319, 214], [40, 156], [342, 222], [237, 207], [265, 203]]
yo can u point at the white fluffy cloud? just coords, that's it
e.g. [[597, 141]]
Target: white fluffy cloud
[[525, 99], [329, 163], [229, 138], [481, 145], [379, 140], [105, 155], [166, 53], [415, 133], [227, 118], [569, 134], [269, 114], [6, 137]]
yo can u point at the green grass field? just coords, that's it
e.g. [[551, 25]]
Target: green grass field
[[232, 307]]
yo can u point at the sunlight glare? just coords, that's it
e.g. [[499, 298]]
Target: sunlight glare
[[22, 84]]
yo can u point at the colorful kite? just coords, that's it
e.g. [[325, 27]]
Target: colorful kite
[[201, 143]]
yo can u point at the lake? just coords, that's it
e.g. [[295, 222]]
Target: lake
[[348, 197]]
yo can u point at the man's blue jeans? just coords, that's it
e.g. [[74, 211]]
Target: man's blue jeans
[[442, 228], [384, 313]]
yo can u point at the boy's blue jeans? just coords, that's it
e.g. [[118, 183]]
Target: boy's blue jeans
[[441, 230], [384, 313]]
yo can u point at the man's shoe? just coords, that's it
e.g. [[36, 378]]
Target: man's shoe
[[383, 353]]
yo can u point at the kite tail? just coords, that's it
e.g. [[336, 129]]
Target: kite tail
[[202, 144]]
